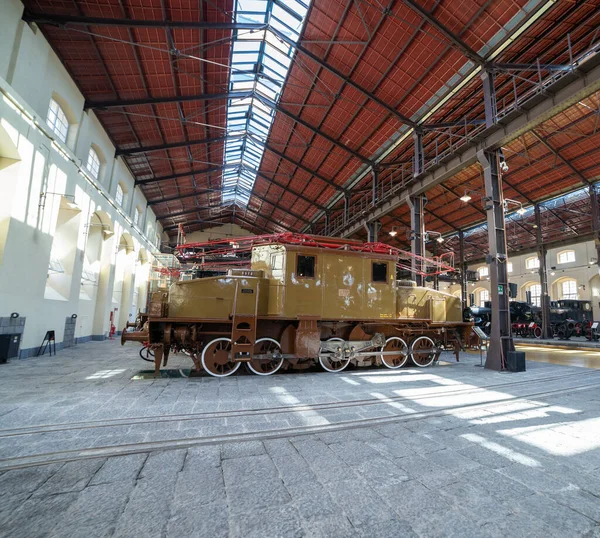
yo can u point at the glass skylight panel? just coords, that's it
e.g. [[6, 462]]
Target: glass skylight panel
[[259, 64]]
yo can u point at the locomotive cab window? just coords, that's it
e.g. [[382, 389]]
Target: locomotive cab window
[[379, 272], [306, 266]]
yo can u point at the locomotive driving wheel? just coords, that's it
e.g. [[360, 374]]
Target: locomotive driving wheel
[[216, 358], [423, 351], [330, 362], [398, 360], [265, 346]]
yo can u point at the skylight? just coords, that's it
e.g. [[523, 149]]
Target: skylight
[[259, 66]]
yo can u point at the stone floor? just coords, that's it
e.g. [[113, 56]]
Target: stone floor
[[453, 450]]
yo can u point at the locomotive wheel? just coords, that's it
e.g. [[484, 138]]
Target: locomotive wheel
[[395, 361], [261, 366], [330, 363], [423, 351], [537, 332], [216, 358]]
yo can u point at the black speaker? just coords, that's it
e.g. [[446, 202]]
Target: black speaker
[[515, 361]]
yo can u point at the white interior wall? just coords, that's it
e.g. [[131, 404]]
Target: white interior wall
[[32, 162], [217, 232]]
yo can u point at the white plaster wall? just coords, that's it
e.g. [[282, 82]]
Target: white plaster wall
[[32, 162], [218, 232]]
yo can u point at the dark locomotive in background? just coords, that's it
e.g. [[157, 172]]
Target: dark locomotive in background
[[568, 318]]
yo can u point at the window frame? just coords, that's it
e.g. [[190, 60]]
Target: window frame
[[482, 301], [59, 116], [537, 296], [120, 202], [566, 253], [314, 268], [484, 271], [530, 265], [569, 296], [385, 280], [94, 169]]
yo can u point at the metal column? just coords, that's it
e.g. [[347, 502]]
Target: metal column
[[346, 209], [327, 216], [436, 277], [419, 167], [543, 272], [489, 98], [372, 231], [463, 271], [375, 185], [595, 221], [417, 221], [501, 342]]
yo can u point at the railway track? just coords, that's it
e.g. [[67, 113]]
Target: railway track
[[157, 419], [64, 456]]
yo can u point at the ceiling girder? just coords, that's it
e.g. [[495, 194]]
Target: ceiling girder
[[102, 105], [231, 95], [74, 20], [175, 145]]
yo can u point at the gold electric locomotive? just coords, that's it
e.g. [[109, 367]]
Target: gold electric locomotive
[[298, 304]]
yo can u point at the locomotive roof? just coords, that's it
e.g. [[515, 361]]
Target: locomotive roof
[[316, 250]]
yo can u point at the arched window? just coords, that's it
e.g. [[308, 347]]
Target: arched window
[[57, 121], [93, 163], [483, 271], [120, 195], [532, 263], [566, 256], [137, 216], [568, 289]]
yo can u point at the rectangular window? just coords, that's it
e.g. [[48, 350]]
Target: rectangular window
[[379, 272], [569, 289], [536, 294], [119, 196], [93, 164], [483, 271], [306, 266], [484, 296], [567, 256], [509, 267], [532, 263], [57, 121]]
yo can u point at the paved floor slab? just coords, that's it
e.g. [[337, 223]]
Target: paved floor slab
[[454, 450]]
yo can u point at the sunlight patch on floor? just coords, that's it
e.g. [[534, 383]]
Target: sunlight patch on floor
[[503, 451]]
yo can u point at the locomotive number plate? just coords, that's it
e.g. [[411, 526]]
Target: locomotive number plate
[[247, 290], [344, 293]]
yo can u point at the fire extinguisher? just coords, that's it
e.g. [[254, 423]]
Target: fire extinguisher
[[113, 329]]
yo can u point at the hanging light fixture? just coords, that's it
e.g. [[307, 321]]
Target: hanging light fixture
[[440, 239], [393, 232], [466, 197]]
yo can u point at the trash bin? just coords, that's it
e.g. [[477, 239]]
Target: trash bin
[[9, 347]]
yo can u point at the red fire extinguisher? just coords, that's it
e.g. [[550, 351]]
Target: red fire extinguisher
[[113, 329]]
